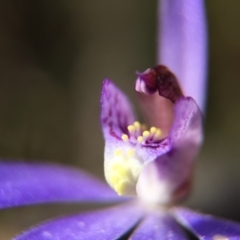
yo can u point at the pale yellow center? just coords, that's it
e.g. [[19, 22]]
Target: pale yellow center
[[122, 169]]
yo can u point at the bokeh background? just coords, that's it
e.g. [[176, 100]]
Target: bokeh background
[[53, 58]]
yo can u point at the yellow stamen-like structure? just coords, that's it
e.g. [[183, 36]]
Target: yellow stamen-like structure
[[146, 134], [131, 152], [137, 125], [137, 132], [158, 134], [125, 137], [122, 169], [118, 152], [131, 129], [153, 130], [140, 139]]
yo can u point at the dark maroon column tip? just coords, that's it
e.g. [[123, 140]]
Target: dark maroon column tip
[[161, 79]]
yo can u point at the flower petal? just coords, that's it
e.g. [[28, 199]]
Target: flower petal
[[207, 227], [158, 226], [24, 183], [157, 111], [158, 107], [168, 178], [183, 44], [186, 132], [100, 225], [116, 111]]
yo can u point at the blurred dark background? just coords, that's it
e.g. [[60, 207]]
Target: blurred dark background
[[53, 58]]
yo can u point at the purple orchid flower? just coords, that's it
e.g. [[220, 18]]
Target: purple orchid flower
[[151, 168], [148, 164]]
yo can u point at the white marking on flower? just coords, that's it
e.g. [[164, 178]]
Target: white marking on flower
[[47, 234], [220, 237]]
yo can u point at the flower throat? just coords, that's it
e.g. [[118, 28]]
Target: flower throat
[[126, 164]]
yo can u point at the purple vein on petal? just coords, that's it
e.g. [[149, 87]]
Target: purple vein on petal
[[207, 227], [35, 183], [158, 226], [116, 111], [183, 44], [106, 224]]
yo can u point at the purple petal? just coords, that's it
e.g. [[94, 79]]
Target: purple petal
[[168, 178], [207, 227], [24, 183], [186, 132], [158, 226], [183, 44], [100, 225], [116, 111]]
